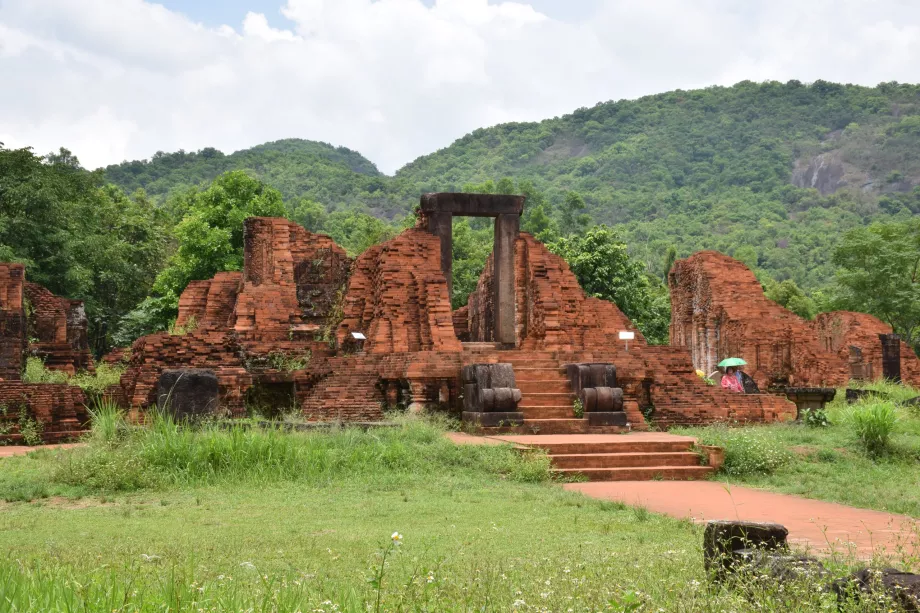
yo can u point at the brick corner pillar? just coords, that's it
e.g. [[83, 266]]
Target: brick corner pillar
[[891, 356], [507, 229], [441, 224]]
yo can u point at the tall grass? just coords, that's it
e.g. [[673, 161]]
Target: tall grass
[[873, 423], [119, 457]]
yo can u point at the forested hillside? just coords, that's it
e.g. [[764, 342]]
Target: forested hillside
[[335, 176], [814, 186], [771, 172]]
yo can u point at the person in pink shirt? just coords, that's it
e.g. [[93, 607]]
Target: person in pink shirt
[[730, 381]]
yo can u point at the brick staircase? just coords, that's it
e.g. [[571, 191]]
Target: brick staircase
[[546, 395], [634, 457]]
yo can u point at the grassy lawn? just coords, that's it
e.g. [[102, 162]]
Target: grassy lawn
[[166, 519], [829, 463]]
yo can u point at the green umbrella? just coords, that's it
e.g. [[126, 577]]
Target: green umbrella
[[731, 362]]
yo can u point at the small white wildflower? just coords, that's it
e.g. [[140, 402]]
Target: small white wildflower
[[397, 538], [248, 565]]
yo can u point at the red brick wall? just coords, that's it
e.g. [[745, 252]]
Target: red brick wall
[[397, 297], [718, 310], [59, 408], [12, 321]]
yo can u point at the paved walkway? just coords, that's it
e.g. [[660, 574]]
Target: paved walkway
[[821, 527], [6, 452], [815, 525]]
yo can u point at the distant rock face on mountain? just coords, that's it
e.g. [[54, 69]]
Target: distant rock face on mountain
[[824, 172]]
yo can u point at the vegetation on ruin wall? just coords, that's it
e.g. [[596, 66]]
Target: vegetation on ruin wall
[[868, 454], [224, 529]]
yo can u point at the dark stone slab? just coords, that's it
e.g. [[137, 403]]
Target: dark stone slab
[[722, 538], [188, 394], [494, 420], [891, 356], [903, 588], [608, 399], [472, 205], [501, 375], [612, 418]]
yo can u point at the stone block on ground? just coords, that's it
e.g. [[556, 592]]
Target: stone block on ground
[[903, 588], [722, 539], [188, 394]]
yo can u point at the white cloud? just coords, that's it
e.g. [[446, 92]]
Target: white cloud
[[395, 79]]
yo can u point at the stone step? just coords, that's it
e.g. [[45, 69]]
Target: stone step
[[639, 473], [547, 412], [538, 374], [626, 446], [527, 363], [566, 426], [625, 460], [555, 399], [543, 386]]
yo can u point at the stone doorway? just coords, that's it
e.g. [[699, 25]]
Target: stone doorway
[[440, 209]]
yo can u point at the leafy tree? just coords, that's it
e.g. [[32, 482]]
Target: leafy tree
[[210, 236], [78, 237], [355, 232], [880, 274], [600, 261], [470, 249], [573, 217], [311, 215], [787, 294], [669, 258]]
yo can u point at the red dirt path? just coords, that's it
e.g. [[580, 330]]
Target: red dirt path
[[6, 452], [815, 525]]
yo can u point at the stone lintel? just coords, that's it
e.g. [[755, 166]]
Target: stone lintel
[[472, 205]]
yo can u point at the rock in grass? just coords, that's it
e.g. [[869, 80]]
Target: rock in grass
[[723, 540], [903, 588]]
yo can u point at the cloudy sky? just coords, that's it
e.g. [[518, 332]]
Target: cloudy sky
[[395, 79]]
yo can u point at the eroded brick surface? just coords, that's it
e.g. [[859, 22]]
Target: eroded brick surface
[[33, 321], [249, 327], [718, 310]]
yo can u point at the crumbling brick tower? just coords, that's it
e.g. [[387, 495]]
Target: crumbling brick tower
[[33, 321], [299, 293], [718, 310], [254, 327]]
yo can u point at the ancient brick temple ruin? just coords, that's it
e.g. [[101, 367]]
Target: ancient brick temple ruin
[[303, 326], [35, 322], [718, 310]]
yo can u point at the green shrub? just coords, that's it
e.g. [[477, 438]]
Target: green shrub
[[35, 372], [815, 418], [578, 409], [30, 428], [748, 450], [95, 384], [873, 423]]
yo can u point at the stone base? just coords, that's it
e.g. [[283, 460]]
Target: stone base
[[605, 418], [494, 420]]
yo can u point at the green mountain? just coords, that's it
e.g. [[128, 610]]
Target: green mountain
[[334, 176], [772, 173]]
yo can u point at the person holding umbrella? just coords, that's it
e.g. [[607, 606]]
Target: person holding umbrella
[[730, 380]]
